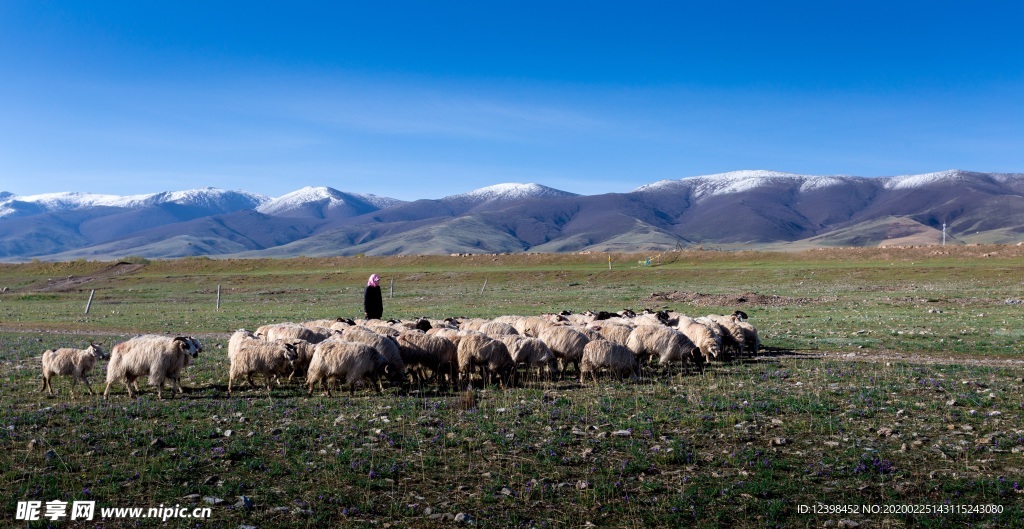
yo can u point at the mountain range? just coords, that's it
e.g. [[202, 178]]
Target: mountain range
[[741, 209]]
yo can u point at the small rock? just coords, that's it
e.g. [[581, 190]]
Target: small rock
[[228, 433], [246, 527], [32, 444], [212, 480], [951, 402], [213, 500], [780, 441], [463, 518], [428, 511], [191, 498], [245, 502], [885, 432], [50, 454], [622, 433], [582, 485], [506, 491], [847, 524]]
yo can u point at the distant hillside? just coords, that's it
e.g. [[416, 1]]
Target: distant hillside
[[737, 209]]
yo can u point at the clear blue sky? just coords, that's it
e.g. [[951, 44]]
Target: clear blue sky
[[426, 99]]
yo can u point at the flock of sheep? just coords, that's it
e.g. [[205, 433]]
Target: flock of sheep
[[448, 353]]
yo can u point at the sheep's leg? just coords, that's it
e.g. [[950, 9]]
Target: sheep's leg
[[46, 386], [326, 386], [87, 385], [248, 378]]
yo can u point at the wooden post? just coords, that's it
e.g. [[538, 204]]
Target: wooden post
[[609, 262], [483, 287], [89, 303], [218, 297], [392, 288]]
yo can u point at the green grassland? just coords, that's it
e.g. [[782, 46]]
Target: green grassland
[[892, 378]]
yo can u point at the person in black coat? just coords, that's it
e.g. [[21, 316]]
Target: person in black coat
[[373, 303]]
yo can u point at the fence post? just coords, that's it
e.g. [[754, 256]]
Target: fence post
[[218, 297], [483, 287], [392, 288], [89, 303]]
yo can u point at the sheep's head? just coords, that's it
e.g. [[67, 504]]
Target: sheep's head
[[290, 352], [188, 345], [96, 350]]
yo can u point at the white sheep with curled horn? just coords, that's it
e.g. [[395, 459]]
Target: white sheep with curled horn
[[74, 362], [161, 358]]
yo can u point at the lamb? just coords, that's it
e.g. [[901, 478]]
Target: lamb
[[334, 359], [159, 357], [709, 343], [430, 351], [664, 342], [290, 331], [606, 354], [490, 355], [250, 355], [566, 343], [531, 352], [74, 362]]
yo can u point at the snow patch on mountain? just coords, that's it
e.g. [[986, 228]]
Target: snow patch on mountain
[[707, 186], [509, 192], [211, 198], [921, 180]]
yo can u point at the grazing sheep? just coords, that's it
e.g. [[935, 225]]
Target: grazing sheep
[[290, 331], [452, 335], [613, 332], [567, 345], [751, 341], [250, 355], [731, 325], [531, 325], [334, 359], [162, 358], [667, 344], [488, 354], [66, 361], [380, 327], [708, 342], [531, 352], [385, 345], [431, 351], [617, 358], [728, 341], [496, 329]]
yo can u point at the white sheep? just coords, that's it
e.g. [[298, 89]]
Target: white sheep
[[528, 351], [489, 355], [566, 343], [290, 331], [531, 325], [736, 336], [497, 329], [707, 341], [385, 345], [74, 362], [162, 358], [668, 344], [613, 332], [334, 360], [250, 355], [605, 354], [431, 351], [751, 341]]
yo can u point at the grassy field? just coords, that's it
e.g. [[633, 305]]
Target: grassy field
[[892, 383]]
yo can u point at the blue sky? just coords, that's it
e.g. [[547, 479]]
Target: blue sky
[[427, 99]]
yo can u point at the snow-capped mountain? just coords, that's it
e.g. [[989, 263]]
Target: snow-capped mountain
[[738, 208], [324, 203], [214, 200], [508, 192]]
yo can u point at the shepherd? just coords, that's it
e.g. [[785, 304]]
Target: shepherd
[[373, 303]]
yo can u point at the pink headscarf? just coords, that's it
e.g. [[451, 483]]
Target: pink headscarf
[[374, 280]]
